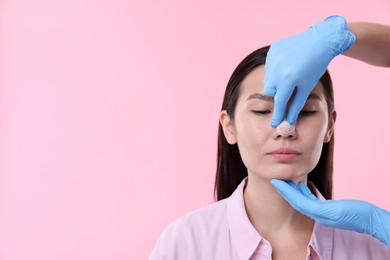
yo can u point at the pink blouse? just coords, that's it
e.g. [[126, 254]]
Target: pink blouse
[[222, 230]]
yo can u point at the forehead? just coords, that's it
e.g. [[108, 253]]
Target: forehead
[[254, 83]]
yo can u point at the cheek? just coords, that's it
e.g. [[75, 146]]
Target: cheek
[[316, 149], [313, 134], [251, 135], [252, 130], [314, 128]]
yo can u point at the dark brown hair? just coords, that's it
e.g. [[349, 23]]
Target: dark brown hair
[[230, 167]]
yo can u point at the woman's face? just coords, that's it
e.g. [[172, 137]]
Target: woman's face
[[265, 153]]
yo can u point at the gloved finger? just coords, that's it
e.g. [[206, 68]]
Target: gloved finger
[[269, 89], [297, 104], [306, 191], [269, 83], [281, 98], [295, 198], [292, 184], [269, 61]]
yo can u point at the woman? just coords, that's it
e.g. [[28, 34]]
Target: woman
[[251, 220], [298, 61]]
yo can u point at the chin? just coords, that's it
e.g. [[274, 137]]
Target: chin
[[282, 171], [294, 179], [288, 175]]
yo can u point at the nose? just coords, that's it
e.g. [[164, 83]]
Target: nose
[[285, 130]]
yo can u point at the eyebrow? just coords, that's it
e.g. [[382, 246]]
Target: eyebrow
[[271, 99], [261, 97]]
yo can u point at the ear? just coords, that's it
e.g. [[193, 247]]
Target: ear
[[228, 127], [331, 124]]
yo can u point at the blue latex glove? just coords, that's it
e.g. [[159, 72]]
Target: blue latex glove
[[300, 61], [356, 215]]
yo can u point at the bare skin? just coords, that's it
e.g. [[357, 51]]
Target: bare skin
[[287, 230], [372, 43]]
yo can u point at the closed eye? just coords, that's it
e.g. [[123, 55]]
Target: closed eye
[[307, 112], [261, 112]]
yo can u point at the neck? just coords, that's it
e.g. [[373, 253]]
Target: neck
[[269, 212]]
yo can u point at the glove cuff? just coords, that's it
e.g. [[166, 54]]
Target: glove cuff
[[381, 225], [334, 33]]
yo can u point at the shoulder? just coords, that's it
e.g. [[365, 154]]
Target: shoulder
[[193, 232], [201, 221], [362, 246]]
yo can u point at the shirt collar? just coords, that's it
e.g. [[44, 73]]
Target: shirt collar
[[246, 239]]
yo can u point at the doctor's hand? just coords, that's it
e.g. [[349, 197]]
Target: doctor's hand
[[300, 61], [356, 215]]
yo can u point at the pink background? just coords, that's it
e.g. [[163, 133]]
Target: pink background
[[109, 115]]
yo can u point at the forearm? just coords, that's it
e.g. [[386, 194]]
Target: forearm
[[372, 43]]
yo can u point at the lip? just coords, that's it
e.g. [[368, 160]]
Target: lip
[[284, 154], [284, 151]]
